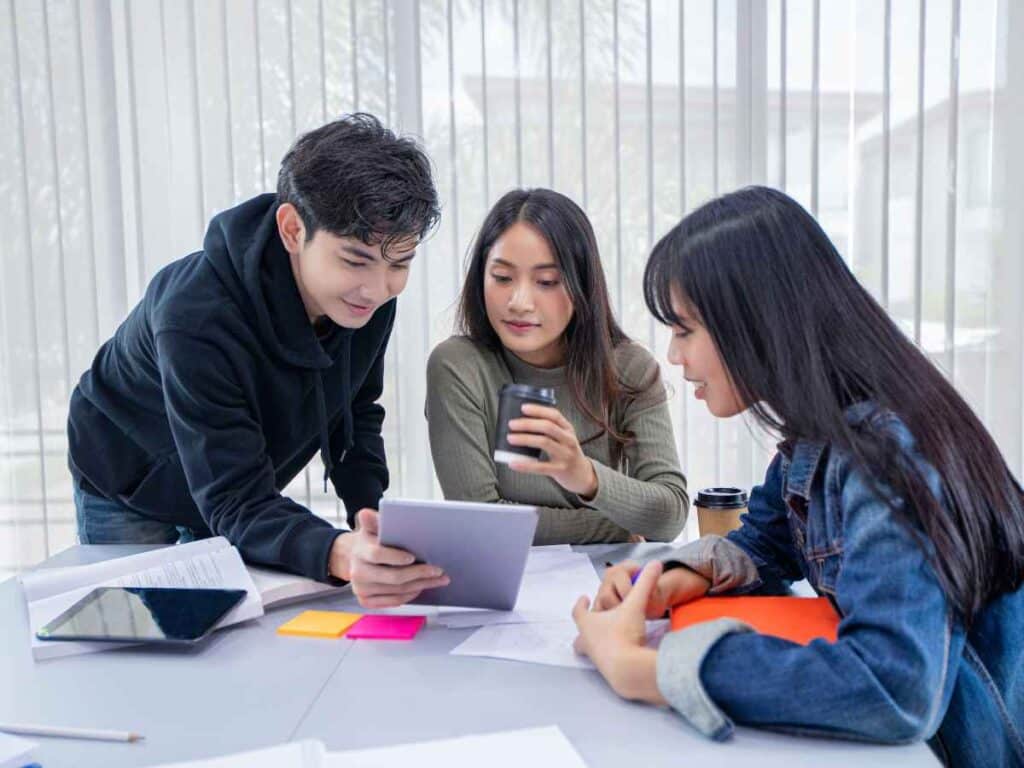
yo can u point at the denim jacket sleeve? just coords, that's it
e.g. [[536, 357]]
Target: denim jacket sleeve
[[890, 675], [759, 558], [766, 538]]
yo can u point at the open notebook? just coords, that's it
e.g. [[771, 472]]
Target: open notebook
[[206, 563]]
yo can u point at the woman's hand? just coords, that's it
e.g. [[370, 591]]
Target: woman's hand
[[615, 641], [546, 428], [680, 585]]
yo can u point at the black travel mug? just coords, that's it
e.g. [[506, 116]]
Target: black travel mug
[[510, 406]]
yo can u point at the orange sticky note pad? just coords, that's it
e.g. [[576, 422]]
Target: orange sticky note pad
[[332, 624], [800, 619]]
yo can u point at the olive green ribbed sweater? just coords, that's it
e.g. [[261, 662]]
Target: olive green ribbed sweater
[[642, 493]]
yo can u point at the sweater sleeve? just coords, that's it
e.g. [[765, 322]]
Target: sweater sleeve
[[224, 457], [465, 467], [649, 496]]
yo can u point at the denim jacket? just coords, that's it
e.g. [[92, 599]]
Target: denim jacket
[[903, 667]]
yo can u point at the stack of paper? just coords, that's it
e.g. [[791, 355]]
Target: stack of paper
[[508, 749], [14, 752], [547, 643], [554, 579], [540, 630], [209, 563], [280, 588]]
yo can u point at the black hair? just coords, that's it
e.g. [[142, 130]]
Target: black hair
[[592, 333], [355, 178], [802, 339]]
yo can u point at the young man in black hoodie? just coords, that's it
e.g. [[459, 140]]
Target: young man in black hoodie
[[244, 359]]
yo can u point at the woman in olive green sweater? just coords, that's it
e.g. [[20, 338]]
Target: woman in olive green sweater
[[535, 310]]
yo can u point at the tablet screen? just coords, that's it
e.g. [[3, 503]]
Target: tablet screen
[[150, 614], [481, 547]]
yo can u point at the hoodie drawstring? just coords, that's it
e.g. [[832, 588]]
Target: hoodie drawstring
[[346, 416], [325, 439]]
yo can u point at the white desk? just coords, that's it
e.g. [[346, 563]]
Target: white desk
[[249, 688]]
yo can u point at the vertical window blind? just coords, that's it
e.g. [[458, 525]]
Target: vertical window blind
[[127, 124]]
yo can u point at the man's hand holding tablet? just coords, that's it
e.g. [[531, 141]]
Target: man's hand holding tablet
[[381, 577], [481, 547]]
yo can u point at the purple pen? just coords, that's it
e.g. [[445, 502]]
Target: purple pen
[[633, 578]]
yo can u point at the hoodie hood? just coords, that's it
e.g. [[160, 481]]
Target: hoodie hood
[[244, 248]]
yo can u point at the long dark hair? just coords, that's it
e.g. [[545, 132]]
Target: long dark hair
[[802, 340], [592, 333]]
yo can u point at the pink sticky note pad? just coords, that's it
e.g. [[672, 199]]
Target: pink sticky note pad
[[375, 627]]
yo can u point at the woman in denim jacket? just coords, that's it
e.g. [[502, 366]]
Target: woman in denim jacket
[[887, 494]]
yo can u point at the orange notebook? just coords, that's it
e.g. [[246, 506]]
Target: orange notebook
[[800, 619]]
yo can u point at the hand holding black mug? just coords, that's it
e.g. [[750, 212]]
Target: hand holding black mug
[[534, 437]]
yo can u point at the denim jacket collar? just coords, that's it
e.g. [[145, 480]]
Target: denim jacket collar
[[804, 456], [803, 466]]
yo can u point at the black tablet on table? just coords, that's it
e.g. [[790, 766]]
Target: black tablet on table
[[170, 615]]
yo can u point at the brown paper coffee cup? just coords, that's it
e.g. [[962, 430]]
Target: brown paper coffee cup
[[719, 510]]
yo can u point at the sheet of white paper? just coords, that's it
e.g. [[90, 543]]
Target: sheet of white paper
[[200, 567], [548, 643], [472, 618], [552, 582], [410, 609], [508, 749], [546, 562], [296, 754], [14, 751]]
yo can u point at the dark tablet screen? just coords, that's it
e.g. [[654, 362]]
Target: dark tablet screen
[[143, 614]]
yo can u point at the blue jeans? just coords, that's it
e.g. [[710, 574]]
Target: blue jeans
[[102, 521]]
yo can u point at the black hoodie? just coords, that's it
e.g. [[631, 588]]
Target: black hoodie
[[215, 392]]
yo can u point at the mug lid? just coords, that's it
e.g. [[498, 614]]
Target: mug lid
[[723, 498], [544, 394]]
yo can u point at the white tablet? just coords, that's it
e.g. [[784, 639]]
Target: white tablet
[[481, 547]]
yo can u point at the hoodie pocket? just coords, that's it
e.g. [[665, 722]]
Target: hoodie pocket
[[163, 493]]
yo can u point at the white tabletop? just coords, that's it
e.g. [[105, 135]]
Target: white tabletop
[[249, 687]]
